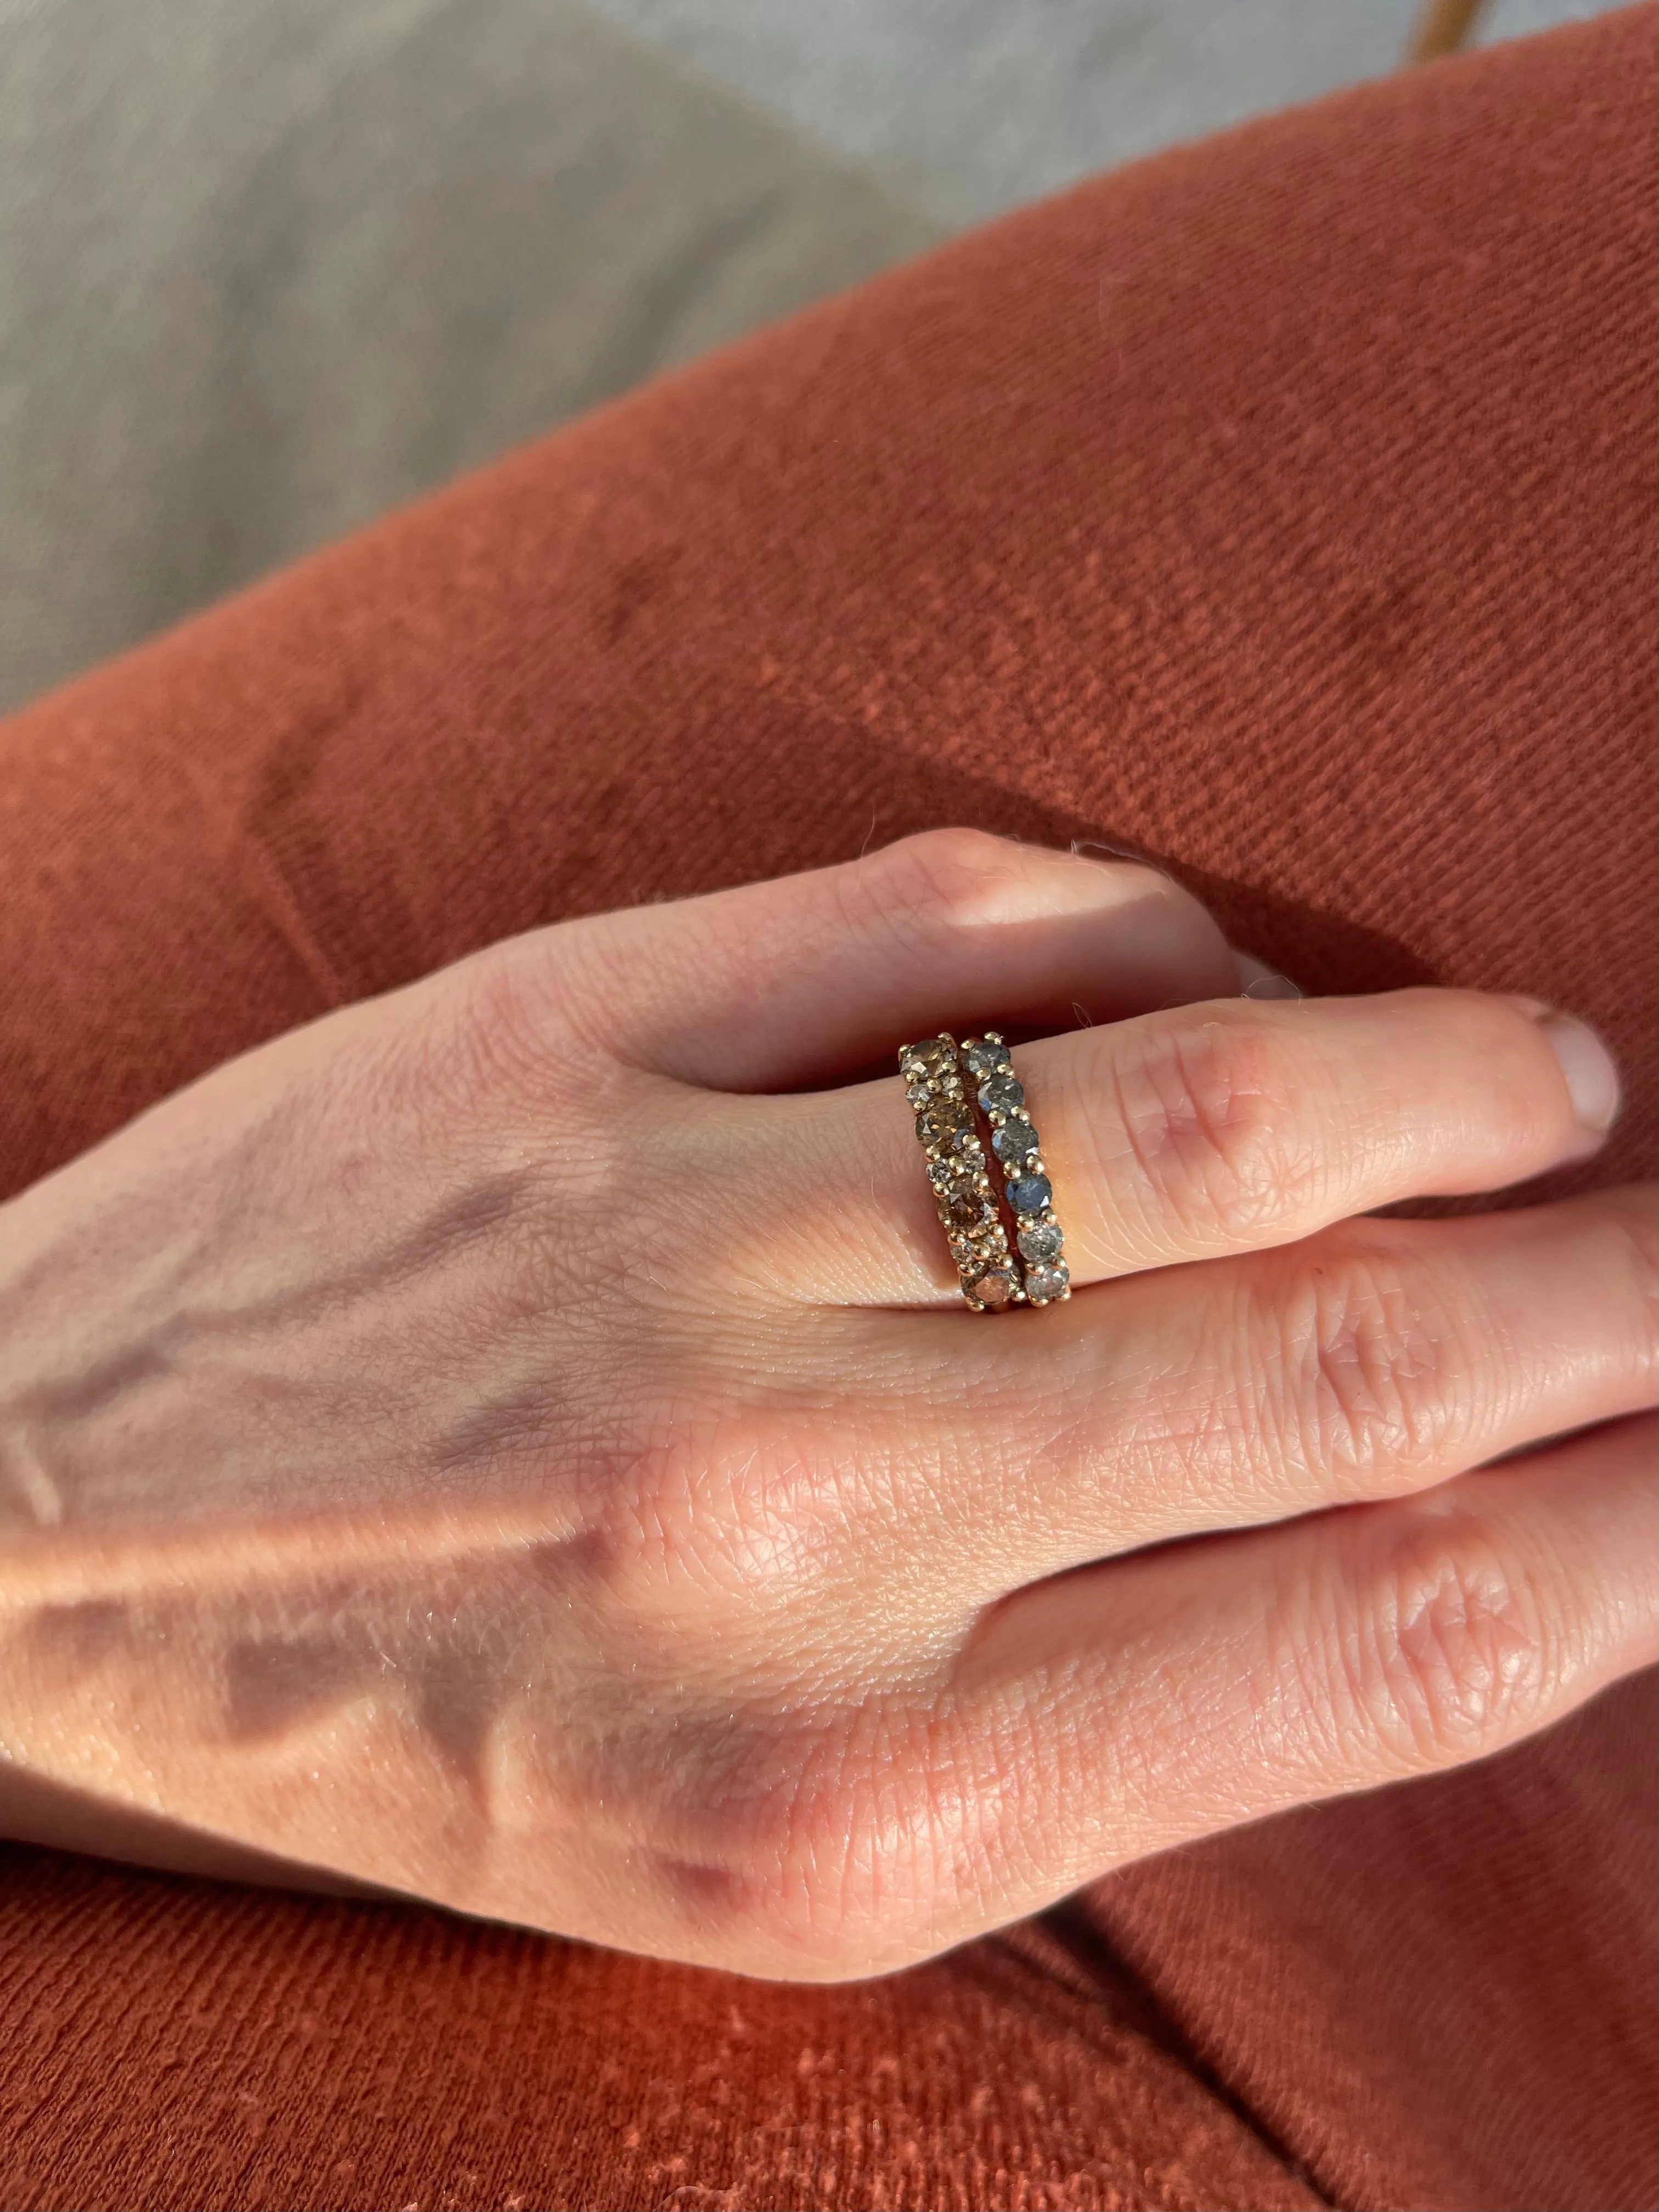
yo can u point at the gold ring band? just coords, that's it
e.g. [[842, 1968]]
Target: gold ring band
[[1029, 1196], [958, 1173]]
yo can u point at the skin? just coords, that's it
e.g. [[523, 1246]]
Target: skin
[[516, 1442]]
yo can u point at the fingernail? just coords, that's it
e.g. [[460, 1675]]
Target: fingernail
[[1592, 1078], [1258, 980]]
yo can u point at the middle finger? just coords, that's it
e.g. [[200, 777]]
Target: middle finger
[[1375, 1359]]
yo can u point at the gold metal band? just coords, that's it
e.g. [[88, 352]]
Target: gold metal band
[[1046, 1280], [958, 1171]]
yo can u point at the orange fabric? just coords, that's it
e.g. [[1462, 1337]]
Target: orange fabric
[[1281, 506]]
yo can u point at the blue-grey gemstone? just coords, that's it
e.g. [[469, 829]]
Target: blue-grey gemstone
[[1014, 1140], [1030, 1194], [984, 1058], [1042, 1240], [1000, 1094], [1044, 1283]]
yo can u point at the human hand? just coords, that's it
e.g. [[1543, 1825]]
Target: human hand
[[509, 1442]]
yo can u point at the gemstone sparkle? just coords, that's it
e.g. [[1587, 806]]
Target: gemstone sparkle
[[943, 1118], [1001, 1094], [1015, 1140]]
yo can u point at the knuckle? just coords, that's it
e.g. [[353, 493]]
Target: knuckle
[[845, 1831], [889, 1838], [925, 887], [1633, 1229], [944, 875], [496, 1032], [1448, 1650], [730, 1517], [1377, 1376], [839, 1845], [796, 1823], [1211, 1112]]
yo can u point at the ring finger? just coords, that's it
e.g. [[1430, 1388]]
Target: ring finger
[[1199, 1131]]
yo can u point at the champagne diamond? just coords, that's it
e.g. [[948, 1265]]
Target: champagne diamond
[[963, 1209], [943, 1118]]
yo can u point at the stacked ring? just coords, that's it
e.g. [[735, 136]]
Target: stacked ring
[[957, 1169], [1026, 1179]]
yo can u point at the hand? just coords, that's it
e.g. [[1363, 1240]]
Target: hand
[[515, 1443]]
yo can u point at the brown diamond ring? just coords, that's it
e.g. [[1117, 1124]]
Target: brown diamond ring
[[958, 1172]]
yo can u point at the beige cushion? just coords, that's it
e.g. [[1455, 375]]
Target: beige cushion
[[272, 265]]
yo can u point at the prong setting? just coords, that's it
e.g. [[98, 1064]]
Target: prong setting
[[957, 1171], [1045, 1277]]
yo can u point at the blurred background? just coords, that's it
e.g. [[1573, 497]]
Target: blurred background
[[269, 266]]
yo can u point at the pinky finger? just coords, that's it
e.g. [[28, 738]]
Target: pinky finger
[[1184, 1690]]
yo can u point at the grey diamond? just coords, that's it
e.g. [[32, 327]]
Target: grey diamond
[[1030, 1194], [984, 1058], [1014, 1141], [1001, 1094], [1042, 1240], [1047, 1282]]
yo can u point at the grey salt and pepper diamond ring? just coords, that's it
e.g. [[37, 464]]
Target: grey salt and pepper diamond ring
[[994, 1275]]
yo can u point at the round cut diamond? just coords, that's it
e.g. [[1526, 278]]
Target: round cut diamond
[[1030, 1194], [943, 1117], [1014, 1140], [1001, 1094], [1042, 1240], [963, 1209], [1048, 1282], [955, 1159], [993, 1289], [935, 1055], [985, 1058], [918, 1093]]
